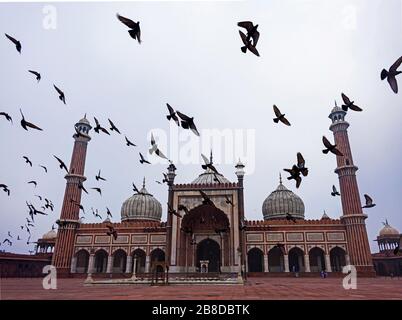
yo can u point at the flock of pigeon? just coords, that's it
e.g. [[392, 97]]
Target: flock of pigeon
[[249, 40]]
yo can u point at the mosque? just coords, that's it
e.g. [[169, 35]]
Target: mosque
[[216, 238]]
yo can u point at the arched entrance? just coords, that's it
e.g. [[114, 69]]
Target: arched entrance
[[119, 261], [255, 260], [100, 261], [209, 250], [338, 259], [296, 261], [276, 260], [317, 260], [82, 261], [139, 257]]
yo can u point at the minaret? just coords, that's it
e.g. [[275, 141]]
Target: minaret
[[353, 217], [69, 216]]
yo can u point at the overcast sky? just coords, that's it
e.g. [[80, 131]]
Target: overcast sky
[[311, 51]]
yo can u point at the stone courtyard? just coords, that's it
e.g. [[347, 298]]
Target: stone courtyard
[[379, 288]]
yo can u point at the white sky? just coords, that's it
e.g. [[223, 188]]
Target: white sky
[[311, 51]]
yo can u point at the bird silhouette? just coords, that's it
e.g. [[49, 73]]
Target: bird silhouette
[[335, 192], [228, 201], [369, 202], [81, 186], [135, 30], [61, 94], [33, 182], [295, 175], [208, 164], [111, 231], [154, 149], [330, 147], [49, 204], [62, 165], [108, 213], [349, 104], [37, 74], [7, 116], [301, 164], [172, 115], [391, 74], [98, 177], [27, 160], [99, 127], [142, 159], [248, 45], [206, 200], [280, 117], [188, 123], [97, 190], [25, 124], [252, 34], [172, 211], [8, 241], [182, 207], [78, 205], [113, 127], [43, 167], [15, 41], [129, 143]]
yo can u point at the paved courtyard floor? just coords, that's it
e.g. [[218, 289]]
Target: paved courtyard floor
[[255, 288]]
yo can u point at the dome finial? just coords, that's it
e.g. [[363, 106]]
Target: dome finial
[[280, 178], [336, 105], [143, 183], [210, 157]]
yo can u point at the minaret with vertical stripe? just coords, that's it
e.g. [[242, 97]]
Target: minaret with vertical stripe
[[353, 217], [69, 216]]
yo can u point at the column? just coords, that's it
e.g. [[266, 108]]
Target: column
[[73, 265], [266, 268], [109, 268], [223, 252], [147, 263], [129, 264], [347, 259], [328, 263], [307, 263], [286, 261], [91, 264]]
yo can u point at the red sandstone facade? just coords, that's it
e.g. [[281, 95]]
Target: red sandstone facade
[[214, 238]]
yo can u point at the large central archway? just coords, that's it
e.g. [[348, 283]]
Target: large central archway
[[209, 250]]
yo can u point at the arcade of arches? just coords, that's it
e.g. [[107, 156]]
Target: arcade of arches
[[296, 260], [118, 262]]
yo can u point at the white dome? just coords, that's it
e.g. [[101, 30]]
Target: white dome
[[52, 234], [387, 230], [282, 201], [141, 206]]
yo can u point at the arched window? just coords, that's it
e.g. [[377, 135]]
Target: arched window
[[255, 260], [119, 261], [338, 259], [101, 261], [139, 257], [317, 260], [276, 260], [82, 261], [296, 260]]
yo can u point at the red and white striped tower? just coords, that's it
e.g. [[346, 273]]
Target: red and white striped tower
[[69, 216], [353, 217]]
